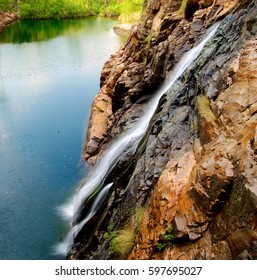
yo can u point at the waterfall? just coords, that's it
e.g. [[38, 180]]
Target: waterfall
[[128, 141], [64, 247]]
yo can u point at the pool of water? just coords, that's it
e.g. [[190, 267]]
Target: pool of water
[[49, 75]]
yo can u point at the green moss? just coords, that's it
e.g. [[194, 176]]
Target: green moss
[[109, 235], [183, 7], [145, 62], [149, 38], [204, 109]]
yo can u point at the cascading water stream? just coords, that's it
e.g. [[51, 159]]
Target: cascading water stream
[[65, 246], [128, 140]]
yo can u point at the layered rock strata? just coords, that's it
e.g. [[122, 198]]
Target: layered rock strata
[[6, 19], [194, 173]]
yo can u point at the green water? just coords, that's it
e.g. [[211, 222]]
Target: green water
[[49, 75]]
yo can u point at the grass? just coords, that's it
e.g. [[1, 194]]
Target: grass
[[123, 240]]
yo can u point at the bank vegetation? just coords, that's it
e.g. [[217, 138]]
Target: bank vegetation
[[128, 11]]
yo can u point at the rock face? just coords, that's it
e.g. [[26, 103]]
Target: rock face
[[194, 173], [6, 19], [122, 29]]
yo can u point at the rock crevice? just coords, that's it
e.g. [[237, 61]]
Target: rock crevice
[[194, 171]]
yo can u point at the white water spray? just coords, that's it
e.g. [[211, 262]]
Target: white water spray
[[129, 139], [64, 247]]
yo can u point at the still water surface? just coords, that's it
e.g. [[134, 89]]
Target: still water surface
[[49, 75]]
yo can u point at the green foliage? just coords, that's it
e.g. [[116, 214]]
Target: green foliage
[[160, 246], [130, 10], [123, 240], [42, 9], [94, 7], [113, 9], [148, 39], [110, 235], [183, 6], [7, 5], [166, 239]]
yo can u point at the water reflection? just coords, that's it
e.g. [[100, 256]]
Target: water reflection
[[26, 31], [49, 75]]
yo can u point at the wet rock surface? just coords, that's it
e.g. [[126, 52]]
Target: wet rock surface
[[195, 170]]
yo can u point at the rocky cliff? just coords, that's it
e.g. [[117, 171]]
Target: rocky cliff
[[189, 191], [6, 19]]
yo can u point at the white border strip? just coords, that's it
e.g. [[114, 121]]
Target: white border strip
[[53, 270]]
